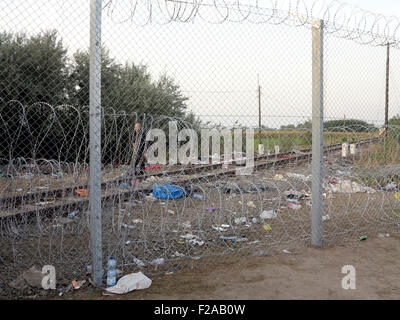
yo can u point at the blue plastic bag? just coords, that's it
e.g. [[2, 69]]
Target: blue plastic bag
[[167, 192]]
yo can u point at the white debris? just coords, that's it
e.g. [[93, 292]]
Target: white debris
[[196, 242], [327, 217], [268, 215], [240, 220], [294, 206], [189, 236], [391, 187], [218, 228], [130, 282], [347, 186], [251, 204]]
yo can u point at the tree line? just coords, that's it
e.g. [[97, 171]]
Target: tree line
[[44, 99]]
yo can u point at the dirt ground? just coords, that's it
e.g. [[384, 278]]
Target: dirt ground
[[306, 273]]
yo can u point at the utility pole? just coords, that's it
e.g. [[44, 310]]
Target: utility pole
[[259, 107], [387, 89], [344, 122]]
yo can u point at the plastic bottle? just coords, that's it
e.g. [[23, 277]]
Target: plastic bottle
[[140, 263], [73, 214], [197, 196], [111, 272], [158, 261]]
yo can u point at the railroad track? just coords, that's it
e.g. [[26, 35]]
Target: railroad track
[[63, 199]]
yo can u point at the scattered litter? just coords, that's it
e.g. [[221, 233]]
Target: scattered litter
[[267, 227], [78, 284], [327, 217], [363, 238], [44, 203], [157, 262], [294, 206], [391, 187], [130, 282], [218, 228], [268, 215], [167, 192], [254, 220], [196, 242], [332, 181], [73, 214], [292, 194], [140, 263], [81, 192], [298, 176], [153, 168], [384, 235], [197, 196], [137, 221], [346, 186], [171, 212], [225, 226], [286, 251], [234, 239], [189, 236], [128, 226], [251, 204], [177, 254], [278, 177], [210, 209], [240, 220], [19, 190], [397, 196]]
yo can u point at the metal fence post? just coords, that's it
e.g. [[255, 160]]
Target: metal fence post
[[95, 141], [317, 131]]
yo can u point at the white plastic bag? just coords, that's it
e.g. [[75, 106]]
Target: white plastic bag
[[130, 282]]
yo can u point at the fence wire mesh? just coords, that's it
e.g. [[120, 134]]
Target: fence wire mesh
[[171, 198]]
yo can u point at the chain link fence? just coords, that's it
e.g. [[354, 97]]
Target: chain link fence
[[222, 162]]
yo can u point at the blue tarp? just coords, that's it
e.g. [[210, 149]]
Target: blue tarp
[[167, 192]]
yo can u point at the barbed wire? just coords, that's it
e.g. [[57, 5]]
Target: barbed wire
[[44, 213], [341, 19]]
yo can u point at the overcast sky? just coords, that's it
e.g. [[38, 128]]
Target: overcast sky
[[217, 65]]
